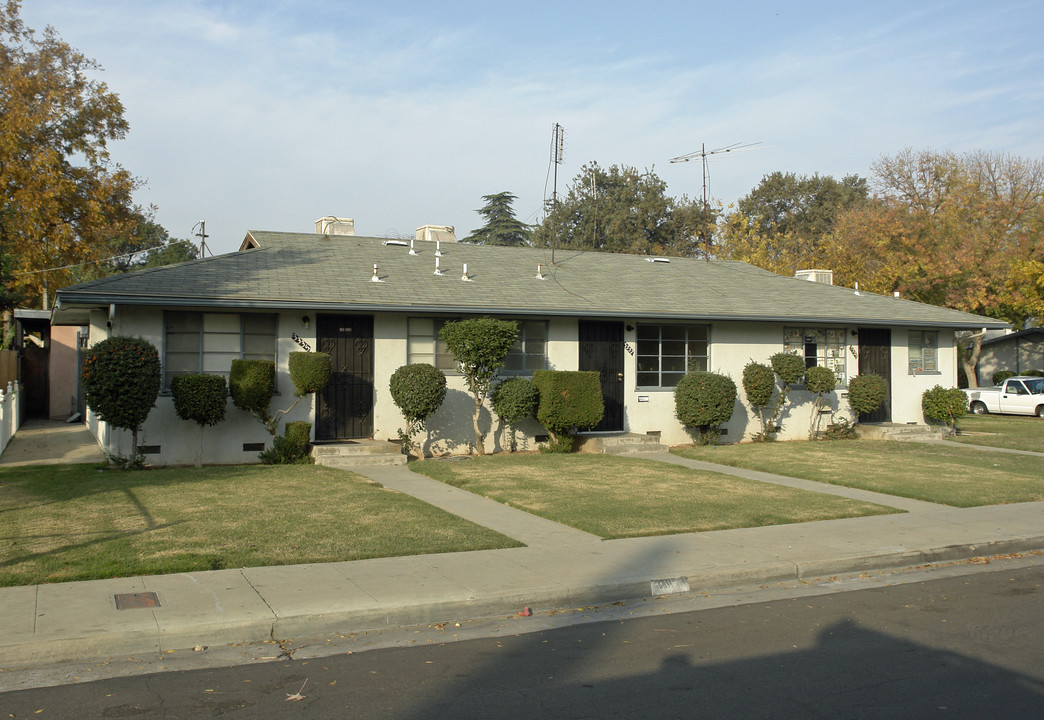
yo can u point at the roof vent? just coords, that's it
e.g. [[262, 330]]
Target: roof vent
[[397, 243], [659, 260], [826, 277], [445, 233], [331, 225]]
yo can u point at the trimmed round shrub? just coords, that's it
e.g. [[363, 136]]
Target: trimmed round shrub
[[867, 392], [291, 448], [759, 382], [944, 405], [309, 371], [121, 381], [820, 380], [788, 366], [514, 400], [1001, 375], [569, 399], [703, 401], [418, 390], [199, 398], [252, 385]]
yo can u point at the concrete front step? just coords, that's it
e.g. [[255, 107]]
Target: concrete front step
[[622, 444], [358, 452], [889, 431]]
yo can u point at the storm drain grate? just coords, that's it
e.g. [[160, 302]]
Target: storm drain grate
[[130, 601]]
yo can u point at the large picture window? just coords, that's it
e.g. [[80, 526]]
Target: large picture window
[[924, 352], [209, 342], [823, 347], [529, 352], [667, 352], [424, 346]]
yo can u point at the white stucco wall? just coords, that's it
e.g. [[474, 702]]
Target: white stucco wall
[[450, 430]]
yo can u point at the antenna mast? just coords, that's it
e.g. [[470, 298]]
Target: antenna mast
[[557, 152], [202, 235], [702, 154]]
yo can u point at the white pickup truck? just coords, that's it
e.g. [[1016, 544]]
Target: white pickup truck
[[1015, 396]]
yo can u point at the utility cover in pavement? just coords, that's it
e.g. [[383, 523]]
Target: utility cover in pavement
[[130, 601], [669, 586]]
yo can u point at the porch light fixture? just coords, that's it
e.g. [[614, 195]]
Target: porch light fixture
[[306, 320]]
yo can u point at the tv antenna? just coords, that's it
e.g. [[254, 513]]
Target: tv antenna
[[557, 153], [202, 235], [702, 154]]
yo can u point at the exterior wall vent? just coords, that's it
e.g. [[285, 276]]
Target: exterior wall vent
[[331, 225], [443, 233], [825, 277]]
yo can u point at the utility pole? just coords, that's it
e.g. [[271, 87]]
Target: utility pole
[[703, 153]]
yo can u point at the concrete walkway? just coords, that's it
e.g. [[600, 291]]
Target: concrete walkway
[[559, 567]]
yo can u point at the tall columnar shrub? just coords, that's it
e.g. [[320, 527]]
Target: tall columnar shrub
[[121, 380], [944, 405], [418, 391], [759, 382], [866, 393], [819, 381], [569, 400], [480, 346], [201, 399], [702, 402], [252, 384], [513, 401]]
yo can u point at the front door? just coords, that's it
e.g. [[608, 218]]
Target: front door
[[875, 358], [601, 350], [345, 409]]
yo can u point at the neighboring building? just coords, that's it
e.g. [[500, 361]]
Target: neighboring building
[[1018, 353], [48, 365], [376, 304]]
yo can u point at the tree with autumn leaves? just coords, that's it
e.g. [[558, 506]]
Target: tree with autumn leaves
[[65, 202], [958, 230]]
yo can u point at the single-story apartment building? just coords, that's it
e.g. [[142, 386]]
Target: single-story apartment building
[[1018, 353], [376, 304]]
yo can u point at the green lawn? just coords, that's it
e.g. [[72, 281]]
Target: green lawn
[[82, 522], [1017, 432], [942, 473], [615, 497]]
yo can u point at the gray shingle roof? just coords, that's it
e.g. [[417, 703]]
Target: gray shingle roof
[[287, 270]]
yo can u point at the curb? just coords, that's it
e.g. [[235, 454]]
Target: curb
[[276, 628]]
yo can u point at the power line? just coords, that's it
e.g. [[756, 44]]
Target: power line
[[91, 262]]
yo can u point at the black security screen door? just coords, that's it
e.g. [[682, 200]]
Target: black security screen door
[[601, 350], [875, 357], [345, 409]]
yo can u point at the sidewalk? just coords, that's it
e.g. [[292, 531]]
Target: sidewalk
[[560, 567]]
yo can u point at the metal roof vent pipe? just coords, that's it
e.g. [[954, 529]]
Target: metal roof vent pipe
[[438, 248], [412, 251], [375, 277], [465, 277], [540, 272], [438, 271]]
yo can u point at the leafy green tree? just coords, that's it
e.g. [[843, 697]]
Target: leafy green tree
[[622, 210], [121, 381], [480, 346], [200, 398], [502, 227], [63, 201], [759, 383]]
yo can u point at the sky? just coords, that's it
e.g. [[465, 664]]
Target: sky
[[269, 114]]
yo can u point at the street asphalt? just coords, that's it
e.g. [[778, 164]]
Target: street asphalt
[[559, 567]]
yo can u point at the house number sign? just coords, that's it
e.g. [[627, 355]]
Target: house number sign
[[629, 349], [297, 339]]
